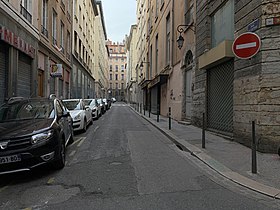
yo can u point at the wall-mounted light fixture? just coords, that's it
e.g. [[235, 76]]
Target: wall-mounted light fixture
[[180, 29], [141, 68]]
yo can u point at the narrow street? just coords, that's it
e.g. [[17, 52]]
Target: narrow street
[[123, 162]]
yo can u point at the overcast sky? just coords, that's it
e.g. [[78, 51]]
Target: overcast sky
[[119, 16]]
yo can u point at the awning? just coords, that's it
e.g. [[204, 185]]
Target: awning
[[159, 80]]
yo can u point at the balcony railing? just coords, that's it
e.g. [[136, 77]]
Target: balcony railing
[[54, 41], [25, 13], [62, 49], [44, 31], [62, 5]]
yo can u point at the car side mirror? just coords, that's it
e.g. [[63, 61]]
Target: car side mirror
[[65, 114]]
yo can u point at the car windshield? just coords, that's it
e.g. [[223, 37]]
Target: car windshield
[[89, 102], [24, 110], [99, 101], [73, 104]]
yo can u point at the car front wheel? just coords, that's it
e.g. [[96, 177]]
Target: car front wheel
[[60, 162]]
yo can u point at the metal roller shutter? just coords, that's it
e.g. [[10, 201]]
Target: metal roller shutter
[[3, 71], [24, 76], [220, 97], [154, 99]]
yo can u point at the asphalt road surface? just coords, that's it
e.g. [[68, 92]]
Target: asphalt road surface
[[122, 162]]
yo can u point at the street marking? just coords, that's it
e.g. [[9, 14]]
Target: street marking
[[245, 46], [72, 153], [4, 188], [51, 181], [95, 129], [77, 141], [81, 142]]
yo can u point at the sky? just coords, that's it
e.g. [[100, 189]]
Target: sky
[[119, 15]]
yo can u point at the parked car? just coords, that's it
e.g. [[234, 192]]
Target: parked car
[[33, 132], [80, 114], [94, 106], [102, 105], [113, 100], [107, 107]]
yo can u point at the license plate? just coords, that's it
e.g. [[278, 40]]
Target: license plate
[[10, 159]]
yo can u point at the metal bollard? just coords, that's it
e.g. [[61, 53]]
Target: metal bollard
[[254, 149], [158, 113], [149, 111], [140, 108], [144, 109], [203, 130], [169, 114]]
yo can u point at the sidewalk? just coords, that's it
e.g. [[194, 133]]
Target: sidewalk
[[230, 159]]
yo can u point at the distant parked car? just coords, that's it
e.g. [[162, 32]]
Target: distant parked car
[[102, 105], [107, 106], [94, 106], [80, 114], [113, 100], [33, 132]]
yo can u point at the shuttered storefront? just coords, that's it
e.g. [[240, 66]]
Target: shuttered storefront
[[220, 97], [154, 99], [3, 71], [24, 76]]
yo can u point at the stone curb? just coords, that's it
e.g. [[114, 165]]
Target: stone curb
[[216, 165]]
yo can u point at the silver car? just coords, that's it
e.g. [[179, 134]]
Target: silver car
[[94, 106]]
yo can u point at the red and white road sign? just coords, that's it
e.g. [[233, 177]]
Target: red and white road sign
[[246, 45]]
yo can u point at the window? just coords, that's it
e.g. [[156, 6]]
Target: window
[[189, 10], [117, 86], [111, 76], [157, 70], [45, 18], [168, 39], [116, 76], [122, 76], [111, 85], [117, 67], [111, 67], [122, 67], [222, 24], [54, 19], [75, 7], [151, 62], [122, 85], [25, 9], [62, 37], [68, 44]]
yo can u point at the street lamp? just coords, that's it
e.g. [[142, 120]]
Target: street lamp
[[180, 29]]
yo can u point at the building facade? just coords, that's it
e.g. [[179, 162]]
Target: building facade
[[132, 78], [54, 51], [101, 57], [117, 70], [84, 15], [19, 40], [167, 71], [231, 91]]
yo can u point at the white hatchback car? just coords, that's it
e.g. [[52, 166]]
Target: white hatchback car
[[80, 114], [94, 106]]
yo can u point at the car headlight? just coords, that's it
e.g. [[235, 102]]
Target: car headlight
[[41, 137], [78, 117]]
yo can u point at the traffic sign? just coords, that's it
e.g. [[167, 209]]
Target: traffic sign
[[246, 45]]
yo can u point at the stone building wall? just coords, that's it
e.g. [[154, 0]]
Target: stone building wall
[[257, 80]]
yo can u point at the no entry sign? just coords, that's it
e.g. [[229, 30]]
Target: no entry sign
[[246, 45]]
